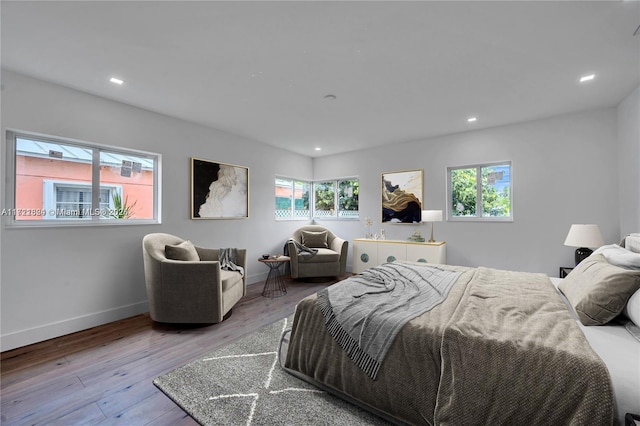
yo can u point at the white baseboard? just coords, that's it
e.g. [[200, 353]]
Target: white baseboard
[[44, 332], [29, 336], [257, 278]]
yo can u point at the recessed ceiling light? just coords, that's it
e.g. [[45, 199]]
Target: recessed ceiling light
[[330, 97], [116, 80], [586, 78], [318, 148], [472, 119]]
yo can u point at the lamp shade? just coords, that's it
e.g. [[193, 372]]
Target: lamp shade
[[584, 236], [432, 215]]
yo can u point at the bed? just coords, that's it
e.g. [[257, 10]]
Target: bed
[[502, 347]]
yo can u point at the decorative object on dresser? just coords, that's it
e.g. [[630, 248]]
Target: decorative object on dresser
[[369, 253], [416, 237], [432, 216], [367, 223], [583, 237]]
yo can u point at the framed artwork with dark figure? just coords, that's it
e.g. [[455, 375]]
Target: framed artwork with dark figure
[[219, 190], [402, 196]]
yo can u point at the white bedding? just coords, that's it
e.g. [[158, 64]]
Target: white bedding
[[621, 353]]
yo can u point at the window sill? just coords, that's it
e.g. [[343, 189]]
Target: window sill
[[481, 219]]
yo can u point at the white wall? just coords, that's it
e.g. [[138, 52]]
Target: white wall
[[629, 163], [59, 280], [56, 281], [564, 171]]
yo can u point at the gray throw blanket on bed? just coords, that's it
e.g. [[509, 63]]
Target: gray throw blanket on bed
[[364, 313], [228, 259]]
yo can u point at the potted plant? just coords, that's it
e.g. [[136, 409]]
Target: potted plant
[[122, 208]]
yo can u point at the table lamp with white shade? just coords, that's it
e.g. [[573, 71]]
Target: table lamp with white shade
[[432, 216], [584, 237]]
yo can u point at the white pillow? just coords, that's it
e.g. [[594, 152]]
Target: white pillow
[[632, 242], [620, 256], [632, 309]]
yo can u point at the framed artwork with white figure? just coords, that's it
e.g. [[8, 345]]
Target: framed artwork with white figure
[[219, 190]]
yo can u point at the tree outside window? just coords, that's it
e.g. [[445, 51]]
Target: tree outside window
[[463, 192], [348, 191], [324, 199]]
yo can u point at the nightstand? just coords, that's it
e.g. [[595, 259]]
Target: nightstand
[[564, 271]]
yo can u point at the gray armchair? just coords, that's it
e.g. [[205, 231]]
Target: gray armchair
[[330, 259], [194, 289]]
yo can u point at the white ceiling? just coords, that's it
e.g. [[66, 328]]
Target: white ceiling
[[400, 71]]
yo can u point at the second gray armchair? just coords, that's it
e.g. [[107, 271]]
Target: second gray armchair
[[327, 257], [187, 284]]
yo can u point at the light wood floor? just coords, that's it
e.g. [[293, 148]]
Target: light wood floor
[[104, 375]]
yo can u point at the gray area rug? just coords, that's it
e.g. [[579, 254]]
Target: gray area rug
[[243, 384]]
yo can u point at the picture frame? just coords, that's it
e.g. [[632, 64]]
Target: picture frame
[[402, 196], [219, 190]]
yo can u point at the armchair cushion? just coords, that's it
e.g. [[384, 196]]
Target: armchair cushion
[[323, 255], [315, 239], [185, 251], [230, 279]]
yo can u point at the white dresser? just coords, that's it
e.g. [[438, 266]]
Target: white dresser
[[368, 253]]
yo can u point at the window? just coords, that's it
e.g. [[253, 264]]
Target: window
[[331, 199], [72, 200], [348, 190], [336, 198], [324, 196], [292, 199], [480, 192], [58, 181]]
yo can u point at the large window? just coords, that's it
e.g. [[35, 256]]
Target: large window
[[323, 199], [58, 181], [480, 192]]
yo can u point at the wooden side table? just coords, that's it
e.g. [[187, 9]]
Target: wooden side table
[[274, 286]]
